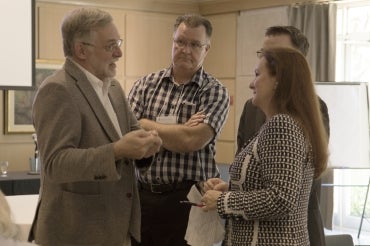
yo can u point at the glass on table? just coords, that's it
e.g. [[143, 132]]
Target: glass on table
[[4, 168]]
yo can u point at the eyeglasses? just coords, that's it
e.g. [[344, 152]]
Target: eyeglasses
[[259, 53], [110, 47], [194, 45]]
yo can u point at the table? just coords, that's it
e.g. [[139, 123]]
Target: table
[[23, 210], [20, 183]]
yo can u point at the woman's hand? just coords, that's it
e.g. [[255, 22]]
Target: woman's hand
[[215, 184], [213, 188], [209, 200]]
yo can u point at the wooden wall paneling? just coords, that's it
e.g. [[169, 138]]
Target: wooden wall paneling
[[221, 58], [119, 19], [36, 23], [251, 27], [243, 93], [50, 36], [225, 152], [205, 7], [149, 42], [129, 83], [221, 62], [208, 7], [225, 145], [17, 153], [147, 33], [156, 6], [228, 132]]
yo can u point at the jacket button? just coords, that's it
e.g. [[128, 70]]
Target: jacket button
[[98, 177], [129, 195]]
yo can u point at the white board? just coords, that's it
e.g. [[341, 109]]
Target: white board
[[349, 123], [16, 43]]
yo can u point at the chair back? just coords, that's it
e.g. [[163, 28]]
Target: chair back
[[339, 240]]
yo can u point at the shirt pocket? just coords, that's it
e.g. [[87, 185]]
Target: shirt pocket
[[187, 109]]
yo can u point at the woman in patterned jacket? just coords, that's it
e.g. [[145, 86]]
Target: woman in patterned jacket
[[266, 199]]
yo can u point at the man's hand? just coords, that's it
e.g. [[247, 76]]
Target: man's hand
[[182, 138], [137, 144], [195, 119]]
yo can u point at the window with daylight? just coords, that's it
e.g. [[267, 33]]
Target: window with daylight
[[353, 42], [352, 65]]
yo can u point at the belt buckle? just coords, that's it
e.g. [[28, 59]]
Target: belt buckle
[[153, 189]]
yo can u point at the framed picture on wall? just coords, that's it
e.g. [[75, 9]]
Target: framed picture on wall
[[18, 103]]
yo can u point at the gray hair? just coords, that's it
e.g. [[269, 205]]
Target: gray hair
[[194, 20], [80, 23]]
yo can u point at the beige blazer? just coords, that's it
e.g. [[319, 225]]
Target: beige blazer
[[86, 197]]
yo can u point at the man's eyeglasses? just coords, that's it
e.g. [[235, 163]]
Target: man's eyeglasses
[[194, 45], [110, 47], [259, 53]]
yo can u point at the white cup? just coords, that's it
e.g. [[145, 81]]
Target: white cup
[[4, 168]]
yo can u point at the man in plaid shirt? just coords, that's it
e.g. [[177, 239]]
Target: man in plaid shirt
[[188, 107]]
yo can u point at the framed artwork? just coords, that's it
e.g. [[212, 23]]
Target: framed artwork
[[18, 103]]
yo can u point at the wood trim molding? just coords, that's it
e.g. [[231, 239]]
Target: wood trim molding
[[158, 6], [225, 6], [204, 7]]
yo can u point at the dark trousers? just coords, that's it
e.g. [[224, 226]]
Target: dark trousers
[[163, 218], [315, 224]]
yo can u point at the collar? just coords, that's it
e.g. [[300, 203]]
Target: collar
[[197, 77], [95, 82]]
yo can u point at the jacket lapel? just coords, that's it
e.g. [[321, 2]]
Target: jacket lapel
[[93, 100], [117, 99]]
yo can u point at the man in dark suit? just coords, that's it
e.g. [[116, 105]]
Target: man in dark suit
[[252, 119], [88, 140]]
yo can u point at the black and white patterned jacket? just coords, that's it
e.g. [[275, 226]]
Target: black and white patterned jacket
[[269, 187]]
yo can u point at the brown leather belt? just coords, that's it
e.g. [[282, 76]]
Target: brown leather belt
[[164, 188]]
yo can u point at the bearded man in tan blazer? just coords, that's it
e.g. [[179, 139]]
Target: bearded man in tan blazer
[[89, 142]]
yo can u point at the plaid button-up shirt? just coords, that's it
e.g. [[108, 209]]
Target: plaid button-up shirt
[[157, 95]]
